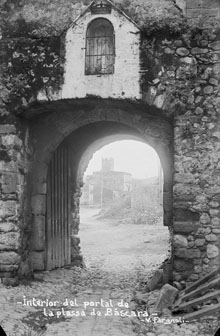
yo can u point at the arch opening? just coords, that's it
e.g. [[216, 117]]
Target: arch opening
[[98, 122], [121, 207]]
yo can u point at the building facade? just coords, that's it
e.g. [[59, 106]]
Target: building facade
[[106, 185]]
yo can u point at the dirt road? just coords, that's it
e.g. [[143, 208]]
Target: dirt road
[[117, 256], [118, 246]]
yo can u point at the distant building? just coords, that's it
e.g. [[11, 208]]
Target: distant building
[[147, 192], [107, 164], [105, 185]]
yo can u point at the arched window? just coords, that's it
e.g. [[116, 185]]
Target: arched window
[[100, 48]]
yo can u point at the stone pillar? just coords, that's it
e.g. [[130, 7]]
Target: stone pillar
[[12, 173], [76, 257], [197, 169], [38, 205]]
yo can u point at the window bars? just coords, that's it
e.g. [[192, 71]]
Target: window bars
[[100, 48]]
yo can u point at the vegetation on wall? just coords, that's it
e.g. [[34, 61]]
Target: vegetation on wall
[[30, 65], [52, 17], [153, 15], [32, 61]]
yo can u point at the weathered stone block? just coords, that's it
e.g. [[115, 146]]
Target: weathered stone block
[[180, 252], [205, 219], [8, 227], [178, 43], [9, 241], [204, 231], [184, 192], [212, 251], [216, 69], [182, 52], [214, 212], [203, 43], [185, 227], [38, 203], [214, 204], [198, 51], [166, 298], [10, 281], [159, 101], [216, 231], [199, 242], [167, 201], [9, 258], [9, 183], [38, 240], [4, 129], [37, 261], [184, 178], [199, 110], [40, 188], [7, 274], [156, 280], [213, 4], [169, 51], [8, 268], [187, 253], [185, 215], [177, 276], [180, 240], [215, 45], [195, 4], [11, 140], [150, 95], [24, 269], [211, 237], [197, 262], [213, 81], [181, 4], [216, 221], [206, 261], [193, 253], [8, 208], [208, 89], [182, 265], [197, 269]]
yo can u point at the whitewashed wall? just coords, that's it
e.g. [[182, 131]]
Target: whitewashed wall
[[125, 82]]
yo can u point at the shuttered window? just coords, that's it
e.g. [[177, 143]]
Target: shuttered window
[[100, 48]]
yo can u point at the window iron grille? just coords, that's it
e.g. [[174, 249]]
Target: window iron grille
[[100, 48]]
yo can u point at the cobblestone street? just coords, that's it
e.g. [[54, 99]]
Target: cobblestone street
[[17, 318], [107, 286]]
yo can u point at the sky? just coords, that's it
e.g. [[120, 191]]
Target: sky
[[130, 156]]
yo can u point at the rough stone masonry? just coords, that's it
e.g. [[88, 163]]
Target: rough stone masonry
[[177, 112]]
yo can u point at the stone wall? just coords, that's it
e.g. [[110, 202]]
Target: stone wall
[[203, 10], [13, 172], [187, 87], [196, 177]]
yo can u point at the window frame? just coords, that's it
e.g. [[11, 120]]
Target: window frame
[[89, 70]]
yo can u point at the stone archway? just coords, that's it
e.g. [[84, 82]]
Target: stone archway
[[79, 124]]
